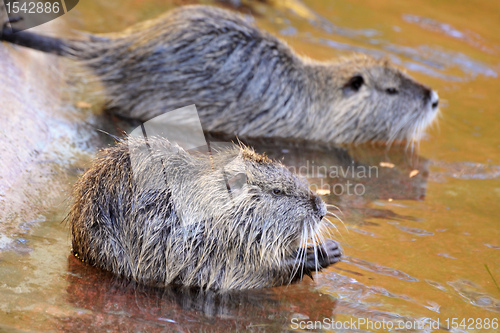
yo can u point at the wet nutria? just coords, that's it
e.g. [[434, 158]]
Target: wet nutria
[[245, 81], [152, 212]]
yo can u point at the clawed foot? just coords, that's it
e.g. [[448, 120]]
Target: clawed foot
[[316, 258], [326, 254]]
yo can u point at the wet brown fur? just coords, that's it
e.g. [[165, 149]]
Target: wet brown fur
[[151, 212]]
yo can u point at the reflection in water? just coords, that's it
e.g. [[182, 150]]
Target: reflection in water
[[354, 177], [114, 303]]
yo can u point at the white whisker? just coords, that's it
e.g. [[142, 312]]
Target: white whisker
[[338, 218]]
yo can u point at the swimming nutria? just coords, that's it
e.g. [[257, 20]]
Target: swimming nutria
[[152, 212], [245, 81]]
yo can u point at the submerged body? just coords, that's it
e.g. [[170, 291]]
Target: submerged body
[[247, 82], [151, 212]]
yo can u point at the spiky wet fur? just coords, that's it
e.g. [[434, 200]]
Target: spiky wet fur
[[247, 82], [151, 212]]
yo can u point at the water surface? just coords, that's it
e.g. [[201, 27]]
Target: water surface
[[419, 241]]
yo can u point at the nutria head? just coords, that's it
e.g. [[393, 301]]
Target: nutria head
[[278, 204], [374, 101], [260, 199]]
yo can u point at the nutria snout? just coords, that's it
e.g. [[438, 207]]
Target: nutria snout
[[150, 211], [245, 81]]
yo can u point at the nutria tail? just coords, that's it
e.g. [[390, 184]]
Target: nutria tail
[[82, 49], [34, 41]]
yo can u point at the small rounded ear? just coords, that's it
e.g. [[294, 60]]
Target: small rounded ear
[[353, 84], [236, 182]]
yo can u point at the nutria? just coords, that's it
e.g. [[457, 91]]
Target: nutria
[[150, 211], [245, 81]]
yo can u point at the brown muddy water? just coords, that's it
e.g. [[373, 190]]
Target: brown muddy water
[[421, 234]]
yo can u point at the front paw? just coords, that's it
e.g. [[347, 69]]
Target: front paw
[[325, 254]]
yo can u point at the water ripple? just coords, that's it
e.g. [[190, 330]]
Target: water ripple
[[372, 267], [446, 255], [441, 59], [437, 285], [469, 37], [464, 170], [415, 231], [363, 232], [468, 290]]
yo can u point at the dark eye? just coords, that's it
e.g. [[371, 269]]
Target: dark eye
[[277, 191], [391, 91]]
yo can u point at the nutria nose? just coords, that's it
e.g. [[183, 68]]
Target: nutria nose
[[319, 207], [434, 99]]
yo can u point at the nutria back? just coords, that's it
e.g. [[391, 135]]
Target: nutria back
[[150, 211], [247, 82]]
